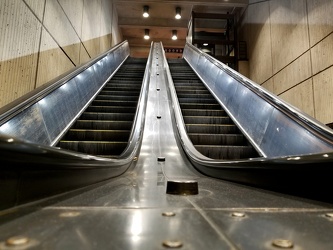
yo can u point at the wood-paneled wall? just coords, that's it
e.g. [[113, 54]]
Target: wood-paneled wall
[[41, 39], [290, 51]]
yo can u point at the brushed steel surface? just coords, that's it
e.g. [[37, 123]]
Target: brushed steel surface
[[274, 127]]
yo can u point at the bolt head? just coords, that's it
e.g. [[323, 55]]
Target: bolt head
[[172, 243], [17, 241], [238, 214], [329, 215], [168, 214], [70, 214], [283, 243]]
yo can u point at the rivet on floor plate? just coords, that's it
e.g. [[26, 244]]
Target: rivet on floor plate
[[188, 187], [172, 243], [168, 214], [329, 215], [238, 214], [159, 117], [282, 243], [158, 89], [17, 241], [160, 158], [70, 214]]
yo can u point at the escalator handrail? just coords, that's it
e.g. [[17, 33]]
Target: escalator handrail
[[300, 117], [27, 100], [139, 118]]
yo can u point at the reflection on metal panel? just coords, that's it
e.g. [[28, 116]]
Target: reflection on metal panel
[[45, 121], [274, 127]]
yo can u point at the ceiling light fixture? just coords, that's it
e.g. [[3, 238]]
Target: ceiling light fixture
[[146, 36], [145, 11], [178, 13], [205, 44], [174, 35]]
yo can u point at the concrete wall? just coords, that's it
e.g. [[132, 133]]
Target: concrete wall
[[290, 51], [41, 39]]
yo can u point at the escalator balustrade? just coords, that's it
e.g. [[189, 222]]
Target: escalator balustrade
[[211, 130], [104, 127]]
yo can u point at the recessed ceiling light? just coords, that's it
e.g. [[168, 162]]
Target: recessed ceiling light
[[178, 13], [145, 11]]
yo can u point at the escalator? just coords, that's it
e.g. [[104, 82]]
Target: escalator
[[211, 130], [122, 202], [105, 126]]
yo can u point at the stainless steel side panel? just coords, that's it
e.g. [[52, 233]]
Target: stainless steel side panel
[[274, 127], [46, 118]]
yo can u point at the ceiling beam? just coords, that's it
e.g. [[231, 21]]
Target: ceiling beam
[[234, 3], [140, 42], [153, 22]]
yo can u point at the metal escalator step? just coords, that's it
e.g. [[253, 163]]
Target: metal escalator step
[[227, 152], [212, 128], [191, 91], [200, 106], [97, 135], [119, 92], [102, 125], [186, 82], [111, 109], [195, 96], [114, 103], [94, 148], [107, 116], [120, 87], [116, 97], [195, 100], [203, 112], [218, 139], [208, 120], [189, 86]]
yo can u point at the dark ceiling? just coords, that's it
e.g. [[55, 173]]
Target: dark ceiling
[[161, 21]]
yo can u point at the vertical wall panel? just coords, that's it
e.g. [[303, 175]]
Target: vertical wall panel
[[106, 25], [301, 96], [323, 94], [269, 85], [37, 7], [320, 19], [19, 42], [289, 31], [74, 32], [52, 60], [116, 35], [301, 38], [298, 71], [91, 26], [60, 28], [322, 54], [260, 61], [73, 10]]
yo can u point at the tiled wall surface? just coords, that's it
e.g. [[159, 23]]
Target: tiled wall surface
[[290, 51], [41, 39]]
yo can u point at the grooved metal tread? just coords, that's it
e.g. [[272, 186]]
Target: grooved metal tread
[[211, 130], [103, 129]]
